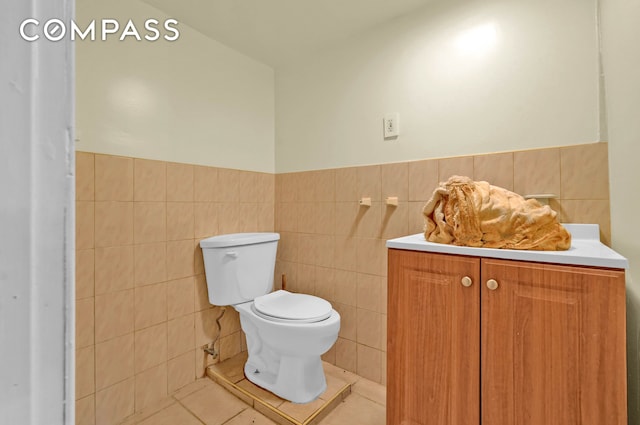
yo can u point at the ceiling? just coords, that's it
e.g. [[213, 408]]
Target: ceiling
[[278, 31]]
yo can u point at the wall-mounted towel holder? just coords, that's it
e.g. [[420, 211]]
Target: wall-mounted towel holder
[[391, 200]]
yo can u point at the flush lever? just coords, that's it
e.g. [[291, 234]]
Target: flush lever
[[232, 254]]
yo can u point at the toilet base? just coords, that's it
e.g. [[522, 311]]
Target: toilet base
[[299, 380], [284, 358]]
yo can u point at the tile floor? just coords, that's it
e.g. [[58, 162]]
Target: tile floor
[[206, 402]]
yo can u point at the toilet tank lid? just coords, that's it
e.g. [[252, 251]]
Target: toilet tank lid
[[238, 239]]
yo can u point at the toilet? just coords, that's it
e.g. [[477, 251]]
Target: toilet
[[286, 332]]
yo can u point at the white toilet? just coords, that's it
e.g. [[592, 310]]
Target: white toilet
[[286, 332]]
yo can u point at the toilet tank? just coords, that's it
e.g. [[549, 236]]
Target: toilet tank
[[239, 267]]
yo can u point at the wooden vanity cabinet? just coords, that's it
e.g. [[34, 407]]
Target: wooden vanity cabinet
[[498, 342], [433, 339]]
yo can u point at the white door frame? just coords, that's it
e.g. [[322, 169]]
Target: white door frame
[[37, 216]]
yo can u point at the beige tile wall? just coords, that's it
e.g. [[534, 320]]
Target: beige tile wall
[[334, 248], [142, 305]]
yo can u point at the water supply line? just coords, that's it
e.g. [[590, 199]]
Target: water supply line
[[211, 348]]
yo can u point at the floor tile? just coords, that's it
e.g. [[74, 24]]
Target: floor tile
[[174, 415], [250, 416], [371, 390], [357, 410], [213, 405], [150, 410], [192, 388]]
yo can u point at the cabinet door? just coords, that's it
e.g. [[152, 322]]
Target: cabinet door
[[433, 339], [553, 345]]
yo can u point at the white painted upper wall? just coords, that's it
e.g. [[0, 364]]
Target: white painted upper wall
[[621, 65], [193, 100], [466, 77]]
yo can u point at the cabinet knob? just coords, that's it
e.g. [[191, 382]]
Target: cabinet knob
[[466, 281], [492, 284]]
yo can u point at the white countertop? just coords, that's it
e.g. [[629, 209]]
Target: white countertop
[[586, 249]]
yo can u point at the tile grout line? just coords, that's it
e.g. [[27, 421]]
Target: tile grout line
[[236, 415], [189, 410]]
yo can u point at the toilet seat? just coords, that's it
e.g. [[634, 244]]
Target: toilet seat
[[284, 306]]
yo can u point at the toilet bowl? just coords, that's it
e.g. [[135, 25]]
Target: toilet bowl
[[286, 332], [284, 354]]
